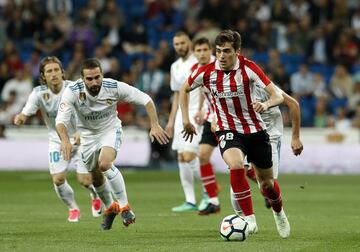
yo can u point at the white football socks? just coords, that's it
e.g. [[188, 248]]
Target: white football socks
[[187, 182], [66, 194], [117, 184], [104, 192]]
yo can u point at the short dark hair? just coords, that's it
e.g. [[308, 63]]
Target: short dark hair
[[201, 41], [90, 63], [230, 36], [44, 62], [181, 33]]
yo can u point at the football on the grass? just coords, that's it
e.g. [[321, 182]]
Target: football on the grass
[[234, 228]]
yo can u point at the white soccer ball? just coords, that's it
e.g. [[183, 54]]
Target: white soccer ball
[[234, 228]]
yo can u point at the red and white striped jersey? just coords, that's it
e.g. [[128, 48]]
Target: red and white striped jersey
[[232, 94]]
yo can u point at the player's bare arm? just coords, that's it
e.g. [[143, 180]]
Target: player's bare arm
[[275, 99], [156, 132], [76, 138], [199, 116], [296, 144], [20, 119], [189, 129], [65, 145], [174, 107]]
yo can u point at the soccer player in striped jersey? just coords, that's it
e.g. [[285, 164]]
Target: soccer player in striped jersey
[[204, 116], [240, 129], [46, 98], [274, 126], [94, 99], [188, 161]]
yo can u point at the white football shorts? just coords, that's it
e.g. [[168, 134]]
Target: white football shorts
[[179, 144], [57, 164], [91, 145]]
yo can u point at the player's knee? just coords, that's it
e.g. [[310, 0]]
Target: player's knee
[[204, 158], [266, 184], [235, 163], [58, 181], [188, 156], [104, 165], [84, 180]]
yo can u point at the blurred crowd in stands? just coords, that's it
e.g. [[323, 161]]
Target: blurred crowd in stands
[[310, 48]]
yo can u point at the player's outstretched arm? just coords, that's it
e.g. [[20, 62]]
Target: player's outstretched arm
[[174, 107], [199, 116], [189, 129], [296, 144], [65, 145], [156, 132], [20, 119]]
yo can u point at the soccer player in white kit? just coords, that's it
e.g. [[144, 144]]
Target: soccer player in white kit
[[274, 126], [188, 161], [46, 98], [94, 100], [240, 128]]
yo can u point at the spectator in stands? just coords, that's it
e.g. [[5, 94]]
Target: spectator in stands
[[54, 7], [64, 23], [302, 82], [282, 79], [135, 39], [341, 83], [356, 117], [355, 22], [78, 56], [151, 79], [354, 98], [320, 89], [346, 51], [21, 84], [103, 58], [321, 117], [49, 40], [33, 64], [280, 12], [115, 70], [83, 32], [302, 88], [4, 75], [10, 108], [318, 50]]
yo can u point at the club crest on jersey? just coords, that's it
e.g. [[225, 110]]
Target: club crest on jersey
[[46, 96], [109, 102], [82, 96]]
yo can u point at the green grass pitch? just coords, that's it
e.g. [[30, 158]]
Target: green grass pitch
[[323, 210]]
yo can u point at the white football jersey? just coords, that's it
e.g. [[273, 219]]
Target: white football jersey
[[272, 117], [43, 99], [97, 114], [179, 73]]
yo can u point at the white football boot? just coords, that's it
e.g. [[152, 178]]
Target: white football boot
[[282, 224], [250, 219]]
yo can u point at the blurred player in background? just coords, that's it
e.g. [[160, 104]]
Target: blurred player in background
[[46, 98], [204, 116], [274, 127], [94, 100], [241, 131], [188, 161]]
